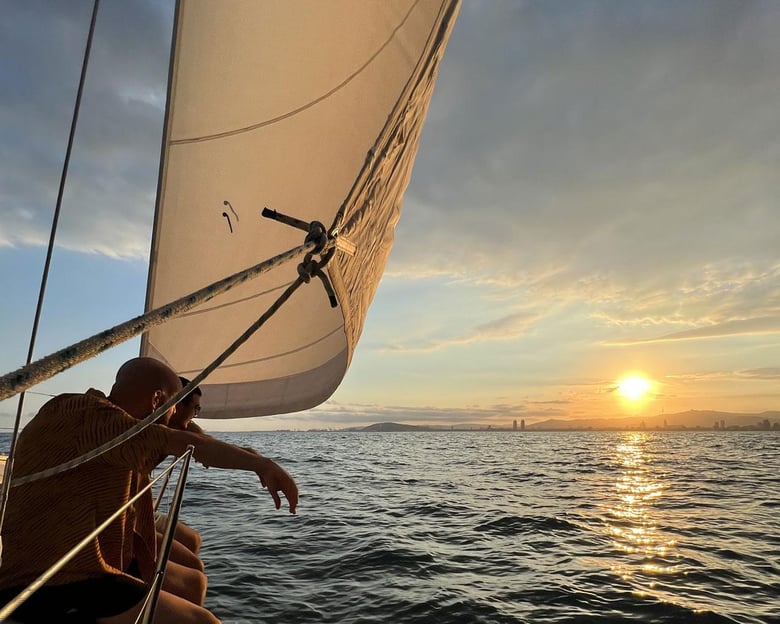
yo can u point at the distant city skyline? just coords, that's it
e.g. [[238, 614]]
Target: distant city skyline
[[686, 421]]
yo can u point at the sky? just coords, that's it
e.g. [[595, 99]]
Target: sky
[[596, 195]]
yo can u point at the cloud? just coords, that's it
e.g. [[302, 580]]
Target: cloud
[[768, 373], [623, 155], [506, 328], [611, 153], [715, 303], [753, 326], [558, 402], [109, 200]]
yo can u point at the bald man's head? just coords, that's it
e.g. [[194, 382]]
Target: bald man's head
[[142, 385]]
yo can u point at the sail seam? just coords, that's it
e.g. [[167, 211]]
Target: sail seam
[[228, 304], [278, 355], [308, 105]]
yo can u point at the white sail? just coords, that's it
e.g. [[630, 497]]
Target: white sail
[[308, 108]]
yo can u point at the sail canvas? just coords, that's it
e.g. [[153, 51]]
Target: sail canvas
[[312, 109]]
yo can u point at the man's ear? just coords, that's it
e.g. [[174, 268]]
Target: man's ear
[[158, 398]]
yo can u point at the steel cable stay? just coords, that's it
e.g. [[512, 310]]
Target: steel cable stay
[[162, 559], [9, 464]]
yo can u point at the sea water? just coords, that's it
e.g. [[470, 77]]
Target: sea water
[[500, 527], [504, 527]]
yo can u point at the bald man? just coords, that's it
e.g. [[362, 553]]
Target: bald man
[[46, 518]]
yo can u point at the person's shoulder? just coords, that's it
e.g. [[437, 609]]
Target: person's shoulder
[[195, 428], [72, 405], [63, 410], [57, 403]]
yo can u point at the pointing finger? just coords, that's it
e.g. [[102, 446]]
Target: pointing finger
[[292, 498]]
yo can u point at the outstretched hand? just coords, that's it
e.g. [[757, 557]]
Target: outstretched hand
[[276, 479], [212, 452]]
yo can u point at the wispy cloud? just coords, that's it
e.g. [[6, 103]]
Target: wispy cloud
[[507, 328], [753, 326], [607, 165], [770, 373]]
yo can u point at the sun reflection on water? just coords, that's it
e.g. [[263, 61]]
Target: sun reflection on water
[[632, 520]]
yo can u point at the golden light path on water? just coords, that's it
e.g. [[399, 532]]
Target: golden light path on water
[[632, 520]]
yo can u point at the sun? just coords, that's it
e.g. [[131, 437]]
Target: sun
[[634, 388]]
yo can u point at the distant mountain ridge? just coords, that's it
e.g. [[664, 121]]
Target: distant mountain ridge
[[706, 419]]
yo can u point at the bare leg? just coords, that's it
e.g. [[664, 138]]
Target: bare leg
[[185, 582], [184, 534], [189, 537], [170, 610], [181, 554]]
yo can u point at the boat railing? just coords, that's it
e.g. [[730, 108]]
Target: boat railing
[[150, 601]]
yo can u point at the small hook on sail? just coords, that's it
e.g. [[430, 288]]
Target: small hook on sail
[[229, 205]]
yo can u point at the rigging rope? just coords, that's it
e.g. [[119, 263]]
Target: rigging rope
[[154, 416], [46, 367], [8, 470]]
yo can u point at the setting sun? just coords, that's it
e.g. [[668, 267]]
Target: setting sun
[[633, 388]]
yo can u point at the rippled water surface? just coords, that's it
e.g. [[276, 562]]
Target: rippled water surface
[[498, 527]]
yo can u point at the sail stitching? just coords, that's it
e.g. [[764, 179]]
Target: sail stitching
[[278, 355], [204, 310], [360, 199], [385, 142], [310, 104]]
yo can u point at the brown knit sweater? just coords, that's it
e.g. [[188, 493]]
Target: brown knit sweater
[[46, 518]]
